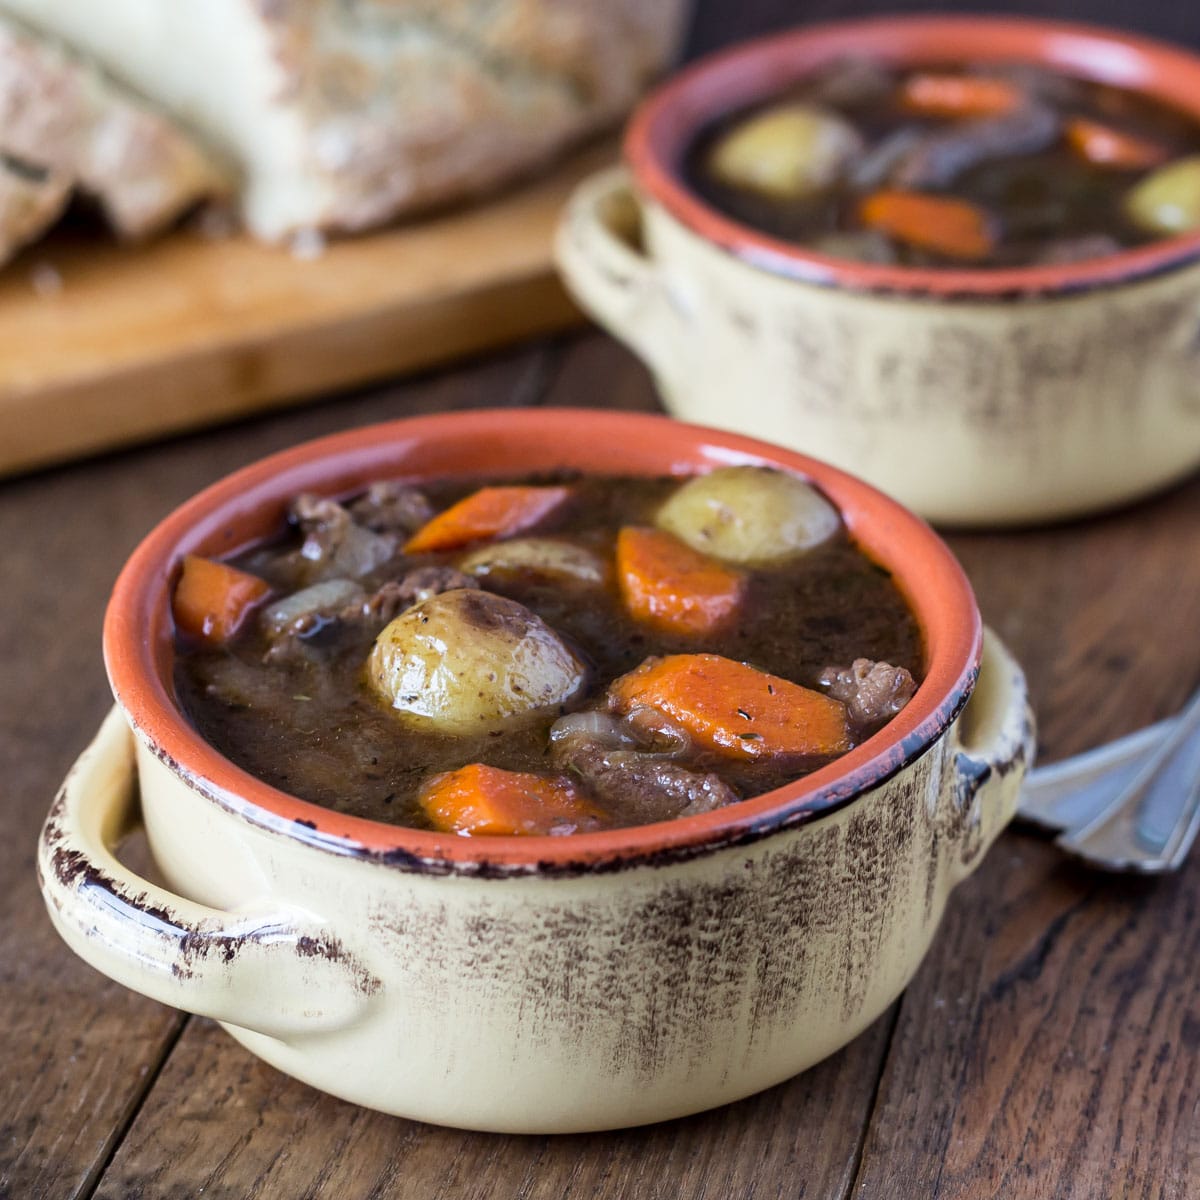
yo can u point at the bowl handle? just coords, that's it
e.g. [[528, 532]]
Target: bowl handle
[[273, 971], [995, 739], [610, 275]]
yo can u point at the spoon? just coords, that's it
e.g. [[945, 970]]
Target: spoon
[[1130, 805]]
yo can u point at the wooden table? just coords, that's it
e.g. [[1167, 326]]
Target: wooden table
[[1049, 1046]]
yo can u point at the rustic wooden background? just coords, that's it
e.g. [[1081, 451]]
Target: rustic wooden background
[[1049, 1047]]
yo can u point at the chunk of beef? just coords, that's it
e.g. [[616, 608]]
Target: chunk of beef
[[386, 602], [871, 691], [389, 507], [941, 157], [655, 789], [639, 786], [875, 166], [398, 594], [653, 730], [334, 545]]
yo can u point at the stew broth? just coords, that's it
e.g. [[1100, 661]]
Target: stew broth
[[996, 165], [298, 711]]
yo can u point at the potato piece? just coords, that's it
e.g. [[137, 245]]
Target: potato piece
[[1167, 201], [786, 152], [536, 558], [466, 662], [749, 515]]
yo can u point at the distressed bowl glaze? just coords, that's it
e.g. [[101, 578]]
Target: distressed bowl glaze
[[531, 984], [973, 396]]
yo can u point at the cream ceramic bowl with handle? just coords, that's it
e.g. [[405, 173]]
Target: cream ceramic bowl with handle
[[973, 396], [531, 984]]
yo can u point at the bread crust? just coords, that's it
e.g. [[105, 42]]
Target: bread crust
[[412, 103], [340, 115], [30, 202], [59, 114]]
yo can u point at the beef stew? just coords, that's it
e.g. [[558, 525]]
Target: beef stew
[[989, 165], [545, 656]]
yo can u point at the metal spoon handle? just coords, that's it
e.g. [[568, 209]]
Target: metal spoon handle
[[1151, 823], [1068, 794]]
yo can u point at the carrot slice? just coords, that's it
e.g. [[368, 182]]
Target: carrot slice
[[478, 799], [953, 96], [1108, 147], [943, 224], [212, 598], [667, 584], [733, 708], [490, 512]]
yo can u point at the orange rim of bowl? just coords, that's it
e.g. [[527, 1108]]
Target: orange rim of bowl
[[668, 120], [251, 503]]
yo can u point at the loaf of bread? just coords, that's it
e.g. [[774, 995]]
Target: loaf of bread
[[63, 126], [340, 114], [31, 200]]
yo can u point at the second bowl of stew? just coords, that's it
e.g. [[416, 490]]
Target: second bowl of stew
[[537, 771], [956, 255]]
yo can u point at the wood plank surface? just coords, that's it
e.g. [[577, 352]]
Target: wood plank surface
[[187, 331], [77, 1052], [222, 1124]]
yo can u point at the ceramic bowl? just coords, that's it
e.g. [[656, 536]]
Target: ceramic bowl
[[531, 984], [973, 396]]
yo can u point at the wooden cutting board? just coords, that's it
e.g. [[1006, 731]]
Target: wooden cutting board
[[188, 331]]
